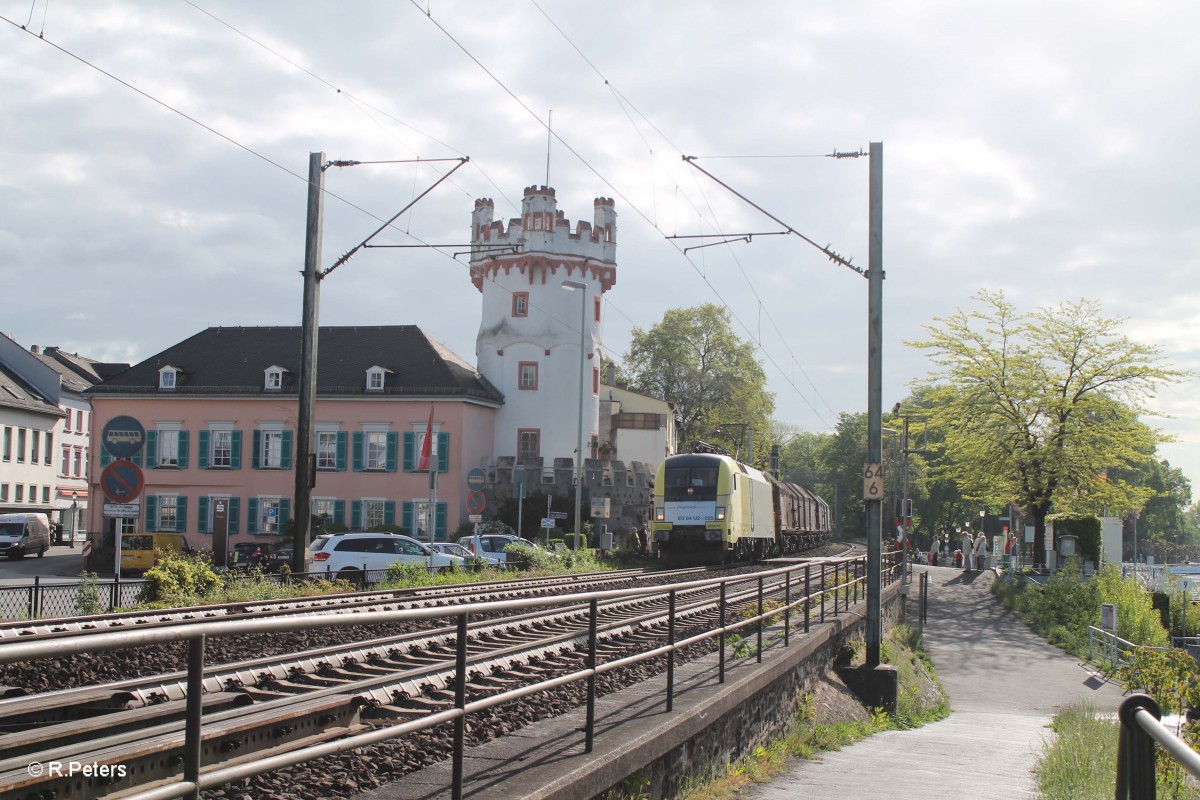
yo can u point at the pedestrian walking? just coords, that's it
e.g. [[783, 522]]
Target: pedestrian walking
[[968, 549], [981, 551]]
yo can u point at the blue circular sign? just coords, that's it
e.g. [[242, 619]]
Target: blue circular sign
[[476, 479], [123, 437]]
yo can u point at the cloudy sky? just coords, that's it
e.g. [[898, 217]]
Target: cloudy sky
[[1044, 149]]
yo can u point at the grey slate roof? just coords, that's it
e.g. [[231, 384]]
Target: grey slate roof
[[15, 393], [232, 361]]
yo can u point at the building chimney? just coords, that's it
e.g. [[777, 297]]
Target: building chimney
[[611, 377], [33, 348]]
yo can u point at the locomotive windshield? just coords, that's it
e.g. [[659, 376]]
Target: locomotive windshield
[[690, 483]]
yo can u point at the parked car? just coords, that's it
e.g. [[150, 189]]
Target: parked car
[[451, 549], [277, 560], [490, 546], [348, 554], [248, 555]]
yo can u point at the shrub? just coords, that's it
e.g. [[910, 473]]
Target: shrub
[[179, 579], [534, 557], [87, 596]]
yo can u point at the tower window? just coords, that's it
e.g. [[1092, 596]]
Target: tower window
[[520, 304], [528, 375]]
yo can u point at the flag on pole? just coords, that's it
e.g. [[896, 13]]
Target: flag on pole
[[423, 464]]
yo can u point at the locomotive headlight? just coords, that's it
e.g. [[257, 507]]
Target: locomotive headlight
[[712, 536], [721, 512], [660, 515]]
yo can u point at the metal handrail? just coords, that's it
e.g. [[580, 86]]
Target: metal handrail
[[196, 634], [1140, 728]]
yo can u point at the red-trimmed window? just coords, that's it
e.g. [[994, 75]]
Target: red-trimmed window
[[520, 307], [595, 380], [597, 302], [527, 375], [529, 444]]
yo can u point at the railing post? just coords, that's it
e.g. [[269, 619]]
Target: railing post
[[1135, 750], [787, 608], [855, 581], [460, 702], [761, 622], [824, 588], [589, 734], [837, 586], [670, 655], [31, 606], [721, 656], [195, 708], [807, 595]]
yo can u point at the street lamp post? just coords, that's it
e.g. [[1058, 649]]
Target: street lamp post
[[572, 286]]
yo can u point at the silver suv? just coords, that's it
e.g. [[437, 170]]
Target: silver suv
[[348, 555]]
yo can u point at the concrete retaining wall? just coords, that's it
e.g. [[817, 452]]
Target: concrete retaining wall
[[752, 709]]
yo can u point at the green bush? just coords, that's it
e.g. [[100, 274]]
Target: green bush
[[87, 596], [535, 558], [1086, 529], [179, 579]]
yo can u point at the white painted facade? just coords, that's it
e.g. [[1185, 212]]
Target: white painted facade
[[528, 345]]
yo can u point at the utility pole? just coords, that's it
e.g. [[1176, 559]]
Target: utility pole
[[874, 632], [306, 463]]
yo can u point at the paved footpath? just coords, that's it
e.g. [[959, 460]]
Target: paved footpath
[[1005, 684]]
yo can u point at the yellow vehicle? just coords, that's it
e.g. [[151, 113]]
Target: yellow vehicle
[[139, 550]]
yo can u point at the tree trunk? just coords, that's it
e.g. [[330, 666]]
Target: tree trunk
[[1039, 513]]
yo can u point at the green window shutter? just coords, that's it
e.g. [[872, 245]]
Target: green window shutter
[[389, 512], [105, 458], [285, 455], [406, 517], [439, 524], [356, 510], [443, 454], [285, 511], [410, 454], [202, 515], [235, 450], [151, 513], [235, 507], [256, 450], [341, 451], [358, 451], [252, 515], [202, 456], [137, 458], [151, 449], [183, 449], [392, 443], [339, 512], [180, 514]]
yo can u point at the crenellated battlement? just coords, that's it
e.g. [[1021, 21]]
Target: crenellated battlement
[[543, 228]]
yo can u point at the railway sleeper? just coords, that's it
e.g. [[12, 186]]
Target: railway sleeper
[[63, 734], [31, 711], [159, 758]]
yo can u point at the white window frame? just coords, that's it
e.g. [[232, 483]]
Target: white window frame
[[168, 445], [168, 377], [273, 380], [374, 462], [266, 502], [376, 379], [215, 434], [168, 520], [270, 452], [373, 509], [326, 457]]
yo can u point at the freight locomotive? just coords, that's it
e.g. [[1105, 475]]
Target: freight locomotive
[[711, 508]]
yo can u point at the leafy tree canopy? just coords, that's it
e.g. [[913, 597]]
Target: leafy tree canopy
[[694, 360], [1037, 405]]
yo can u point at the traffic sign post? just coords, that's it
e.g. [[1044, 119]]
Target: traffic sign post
[[548, 523], [123, 437], [476, 501]]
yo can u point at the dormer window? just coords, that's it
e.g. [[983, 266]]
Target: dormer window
[[376, 380], [273, 381], [168, 377]]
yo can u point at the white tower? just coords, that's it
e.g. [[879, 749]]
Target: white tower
[[529, 335]]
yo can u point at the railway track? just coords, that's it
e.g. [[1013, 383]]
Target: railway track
[[261, 707]]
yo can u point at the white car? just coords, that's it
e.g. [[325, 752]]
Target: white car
[[348, 555], [450, 549]]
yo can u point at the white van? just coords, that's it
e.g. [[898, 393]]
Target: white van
[[24, 533]]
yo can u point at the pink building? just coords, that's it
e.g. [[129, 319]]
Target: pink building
[[219, 411]]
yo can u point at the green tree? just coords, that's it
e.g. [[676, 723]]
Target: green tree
[[1036, 406], [694, 360]]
